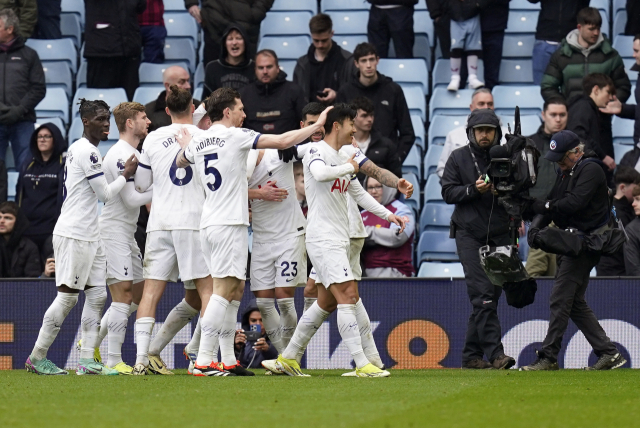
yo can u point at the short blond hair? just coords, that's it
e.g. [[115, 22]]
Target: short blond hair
[[126, 111]]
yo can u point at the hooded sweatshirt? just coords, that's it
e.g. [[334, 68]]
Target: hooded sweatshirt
[[19, 256], [246, 353], [39, 189], [585, 121], [221, 74]]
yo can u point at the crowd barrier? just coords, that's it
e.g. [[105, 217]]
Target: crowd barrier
[[418, 324]]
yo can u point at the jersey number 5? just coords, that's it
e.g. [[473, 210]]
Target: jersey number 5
[[213, 171]]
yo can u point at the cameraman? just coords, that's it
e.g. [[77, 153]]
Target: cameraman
[[579, 200], [477, 221]]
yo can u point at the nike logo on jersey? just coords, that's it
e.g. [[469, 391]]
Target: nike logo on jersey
[[341, 185], [289, 280]]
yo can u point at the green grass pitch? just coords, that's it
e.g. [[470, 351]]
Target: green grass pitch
[[409, 398]]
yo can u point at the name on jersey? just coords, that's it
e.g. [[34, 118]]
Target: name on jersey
[[213, 141], [166, 143], [341, 185]]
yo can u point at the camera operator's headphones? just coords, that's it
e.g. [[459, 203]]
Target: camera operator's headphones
[[483, 117]]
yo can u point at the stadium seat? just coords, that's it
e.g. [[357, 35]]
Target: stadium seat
[[440, 270], [56, 121], [422, 5], [603, 5], [435, 245], [406, 71], [413, 162], [450, 103], [286, 24], [174, 6], [178, 51], [516, 71], [288, 66], [295, 5], [436, 216], [71, 28], [418, 130], [76, 129], [423, 24], [433, 190], [522, 21], [633, 75], [181, 25], [54, 104], [624, 45], [416, 102], [619, 22], [9, 160], [12, 181], [619, 150], [632, 98], [518, 45], [442, 73], [622, 130], [349, 22], [414, 201], [56, 50], [340, 5], [529, 123], [198, 78], [523, 5], [58, 75], [618, 5], [287, 47], [431, 160], [528, 98], [146, 94], [112, 97], [197, 94], [81, 77], [348, 42], [151, 74], [441, 125], [76, 7], [104, 146]]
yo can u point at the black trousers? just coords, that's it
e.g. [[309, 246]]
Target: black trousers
[[484, 335], [567, 302], [48, 26], [391, 24], [114, 72], [492, 42]]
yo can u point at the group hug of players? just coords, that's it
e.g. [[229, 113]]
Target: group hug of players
[[200, 174]]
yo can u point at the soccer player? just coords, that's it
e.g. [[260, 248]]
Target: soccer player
[[81, 263], [328, 243], [173, 236]]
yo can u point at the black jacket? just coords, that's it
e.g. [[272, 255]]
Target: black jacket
[[221, 74], [585, 121], [39, 188], [546, 170], [494, 15], [632, 111], [473, 209], [22, 79], [384, 153], [462, 10], [392, 118], [632, 249], [613, 265], [557, 18], [121, 36], [3, 181], [273, 108], [19, 256], [156, 111], [633, 18]]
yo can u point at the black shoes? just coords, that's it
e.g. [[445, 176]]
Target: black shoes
[[478, 364], [503, 362], [540, 364], [608, 362]]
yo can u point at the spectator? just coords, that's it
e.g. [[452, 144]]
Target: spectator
[[3, 181], [153, 32], [39, 189], [49, 259], [235, 68], [301, 196], [156, 110], [481, 98], [216, 15], [466, 37], [26, 13], [493, 21], [632, 27], [23, 87], [272, 104], [379, 149], [442, 24], [585, 120], [326, 66], [113, 44], [252, 353], [555, 20], [554, 116], [19, 257], [394, 120], [626, 179], [48, 26], [392, 20], [632, 246], [386, 252]]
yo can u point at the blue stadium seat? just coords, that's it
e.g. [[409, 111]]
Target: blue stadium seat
[[348, 42], [633, 75], [528, 98], [54, 104], [435, 245], [423, 24], [174, 6], [523, 5], [198, 78], [416, 102], [450, 103], [603, 5], [285, 24], [181, 25], [518, 45], [414, 200], [433, 190], [104, 146], [522, 21], [619, 22], [151, 74], [76, 129], [287, 47], [431, 160], [436, 216], [295, 5], [56, 121], [624, 45], [58, 75], [146, 94], [197, 94], [632, 98], [418, 130], [56, 50], [619, 5], [440, 270], [516, 71], [12, 182], [530, 123], [442, 73], [288, 66], [112, 97], [81, 77], [349, 22], [413, 162], [619, 150], [71, 28], [178, 51], [422, 5], [441, 125], [339, 5], [622, 130], [75, 7], [406, 71]]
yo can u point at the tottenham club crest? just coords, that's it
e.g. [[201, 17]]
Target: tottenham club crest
[[553, 145], [93, 158], [120, 164]]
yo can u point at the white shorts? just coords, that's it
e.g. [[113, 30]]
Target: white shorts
[[170, 254], [124, 261], [227, 250], [279, 264], [79, 263], [355, 248], [330, 261]]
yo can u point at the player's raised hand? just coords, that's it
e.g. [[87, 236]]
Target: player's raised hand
[[405, 187], [322, 119], [184, 137], [399, 221], [130, 167], [273, 193], [356, 167]]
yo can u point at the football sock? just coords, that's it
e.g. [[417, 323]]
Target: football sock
[[194, 344], [308, 301], [117, 326], [309, 323], [366, 335], [271, 321], [472, 64], [179, 316], [132, 308], [94, 300], [210, 326], [348, 328], [104, 325], [143, 329], [288, 319], [228, 334], [454, 64], [51, 322]]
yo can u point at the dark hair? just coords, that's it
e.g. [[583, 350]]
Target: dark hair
[[89, 109], [597, 79], [312, 109], [362, 103], [364, 49], [636, 37], [626, 175], [9, 207], [179, 100], [219, 100], [636, 191], [338, 113], [268, 52], [590, 16], [320, 23], [554, 100]]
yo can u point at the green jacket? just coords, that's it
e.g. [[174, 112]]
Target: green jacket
[[569, 65], [27, 11]]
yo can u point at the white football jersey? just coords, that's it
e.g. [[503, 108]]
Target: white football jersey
[[177, 196], [219, 156], [275, 221], [79, 215]]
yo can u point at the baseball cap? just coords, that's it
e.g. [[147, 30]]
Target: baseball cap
[[483, 117], [561, 143]]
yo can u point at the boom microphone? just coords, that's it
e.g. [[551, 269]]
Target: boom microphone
[[499, 152]]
